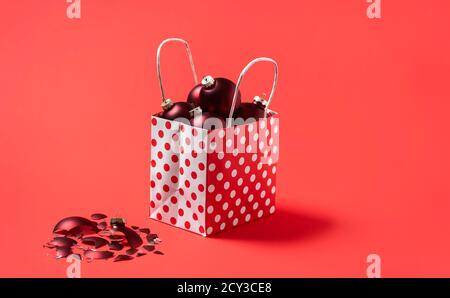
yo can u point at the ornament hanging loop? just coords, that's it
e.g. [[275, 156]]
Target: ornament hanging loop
[[158, 62], [239, 81]]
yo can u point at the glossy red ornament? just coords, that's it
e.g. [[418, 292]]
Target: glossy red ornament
[[253, 110], [216, 96], [194, 96], [174, 110], [198, 120]]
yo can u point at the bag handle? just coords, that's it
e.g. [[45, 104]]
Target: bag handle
[[158, 62], [241, 76]]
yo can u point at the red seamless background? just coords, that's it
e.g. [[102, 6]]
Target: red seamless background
[[364, 114]]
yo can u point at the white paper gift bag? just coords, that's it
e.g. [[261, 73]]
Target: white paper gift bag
[[209, 181]]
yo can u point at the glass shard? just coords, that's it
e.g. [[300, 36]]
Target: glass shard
[[115, 246], [75, 226], [149, 247], [151, 237], [133, 238], [145, 230], [97, 242], [62, 242], [98, 255], [116, 238], [131, 251], [102, 226], [62, 252], [120, 258], [98, 216]]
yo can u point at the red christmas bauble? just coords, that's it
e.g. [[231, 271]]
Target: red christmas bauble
[[253, 110], [194, 96], [206, 120], [216, 96], [173, 110]]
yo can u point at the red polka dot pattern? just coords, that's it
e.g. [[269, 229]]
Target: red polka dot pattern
[[208, 191], [244, 180], [175, 174]]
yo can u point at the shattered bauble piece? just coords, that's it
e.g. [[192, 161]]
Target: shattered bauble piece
[[62, 242], [140, 254], [158, 252], [152, 237], [145, 230], [174, 110], [131, 251], [115, 246], [63, 252], [98, 255], [120, 258], [97, 242], [98, 216], [102, 226], [121, 238], [75, 226], [133, 239], [216, 96], [194, 96], [105, 233], [149, 247], [254, 110], [116, 238]]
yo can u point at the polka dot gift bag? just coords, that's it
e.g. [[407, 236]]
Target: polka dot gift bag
[[210, 180]]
